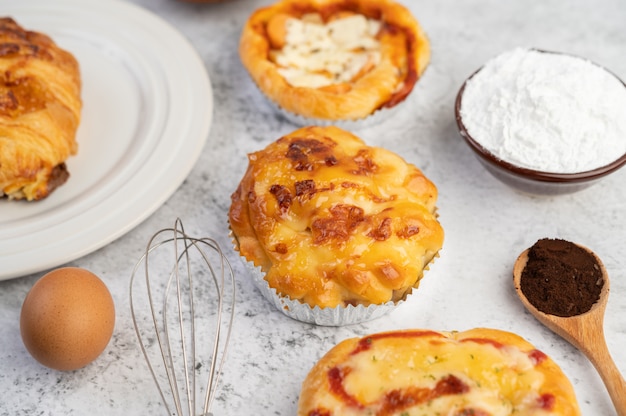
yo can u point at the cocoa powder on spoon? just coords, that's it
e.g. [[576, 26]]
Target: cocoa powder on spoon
[[560, 278]]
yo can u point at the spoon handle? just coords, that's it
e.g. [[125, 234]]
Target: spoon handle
[[588, 336], [600, 357]]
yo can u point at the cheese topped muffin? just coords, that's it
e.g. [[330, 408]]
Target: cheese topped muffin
[[334, 60], [333, 222], [477, 372]]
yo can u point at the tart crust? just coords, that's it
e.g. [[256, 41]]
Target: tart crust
[[404, 51]]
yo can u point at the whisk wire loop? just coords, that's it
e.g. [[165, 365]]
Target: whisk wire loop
[[184, 341]]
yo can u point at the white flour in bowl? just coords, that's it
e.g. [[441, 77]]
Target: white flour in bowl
[[546, 111]]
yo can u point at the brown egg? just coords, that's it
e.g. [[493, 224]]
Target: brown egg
[[67, 318]]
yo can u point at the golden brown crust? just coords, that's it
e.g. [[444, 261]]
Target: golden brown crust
[[333, 222], [405, 52], [477, 372], [39, 112]]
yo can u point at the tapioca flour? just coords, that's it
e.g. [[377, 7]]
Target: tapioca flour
[[546, 111]]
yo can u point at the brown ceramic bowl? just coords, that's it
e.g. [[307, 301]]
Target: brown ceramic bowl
[[529, 180]]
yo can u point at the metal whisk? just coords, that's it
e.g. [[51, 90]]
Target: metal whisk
[[195, 282]]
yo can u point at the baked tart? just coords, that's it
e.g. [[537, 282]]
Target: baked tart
[[332, 222], [40, 108], [334, 59], [481, 372]]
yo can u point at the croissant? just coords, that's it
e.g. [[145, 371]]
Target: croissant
[[40, 109]]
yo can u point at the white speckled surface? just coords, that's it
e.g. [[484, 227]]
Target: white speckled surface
[[487, 224]]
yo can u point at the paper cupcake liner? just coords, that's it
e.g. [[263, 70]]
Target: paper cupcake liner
[[350, 125], [377, 117], [338, 316]]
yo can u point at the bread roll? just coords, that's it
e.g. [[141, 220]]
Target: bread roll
[[422, 372]]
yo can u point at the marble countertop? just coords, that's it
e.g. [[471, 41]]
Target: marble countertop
[[487, 224]]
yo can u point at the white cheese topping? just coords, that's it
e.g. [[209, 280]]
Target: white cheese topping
[[317, 54]]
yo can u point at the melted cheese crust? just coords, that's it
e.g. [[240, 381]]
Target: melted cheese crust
[[40, 109], [479, 372], [333, 222], [351, 79]]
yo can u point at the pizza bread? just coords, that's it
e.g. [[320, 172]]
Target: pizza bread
[[334, 59], [334, 222], [481, 372], [40, 109]]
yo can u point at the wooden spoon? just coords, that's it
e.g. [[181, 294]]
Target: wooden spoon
[[584, 331]]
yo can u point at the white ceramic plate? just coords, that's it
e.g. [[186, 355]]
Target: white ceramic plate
[[147, 111]]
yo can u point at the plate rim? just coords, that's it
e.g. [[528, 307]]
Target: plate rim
[[186, 153]]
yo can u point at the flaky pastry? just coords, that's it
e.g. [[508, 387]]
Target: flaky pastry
[[334, 222], [40, 109], [334, 59], [478, 372]]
